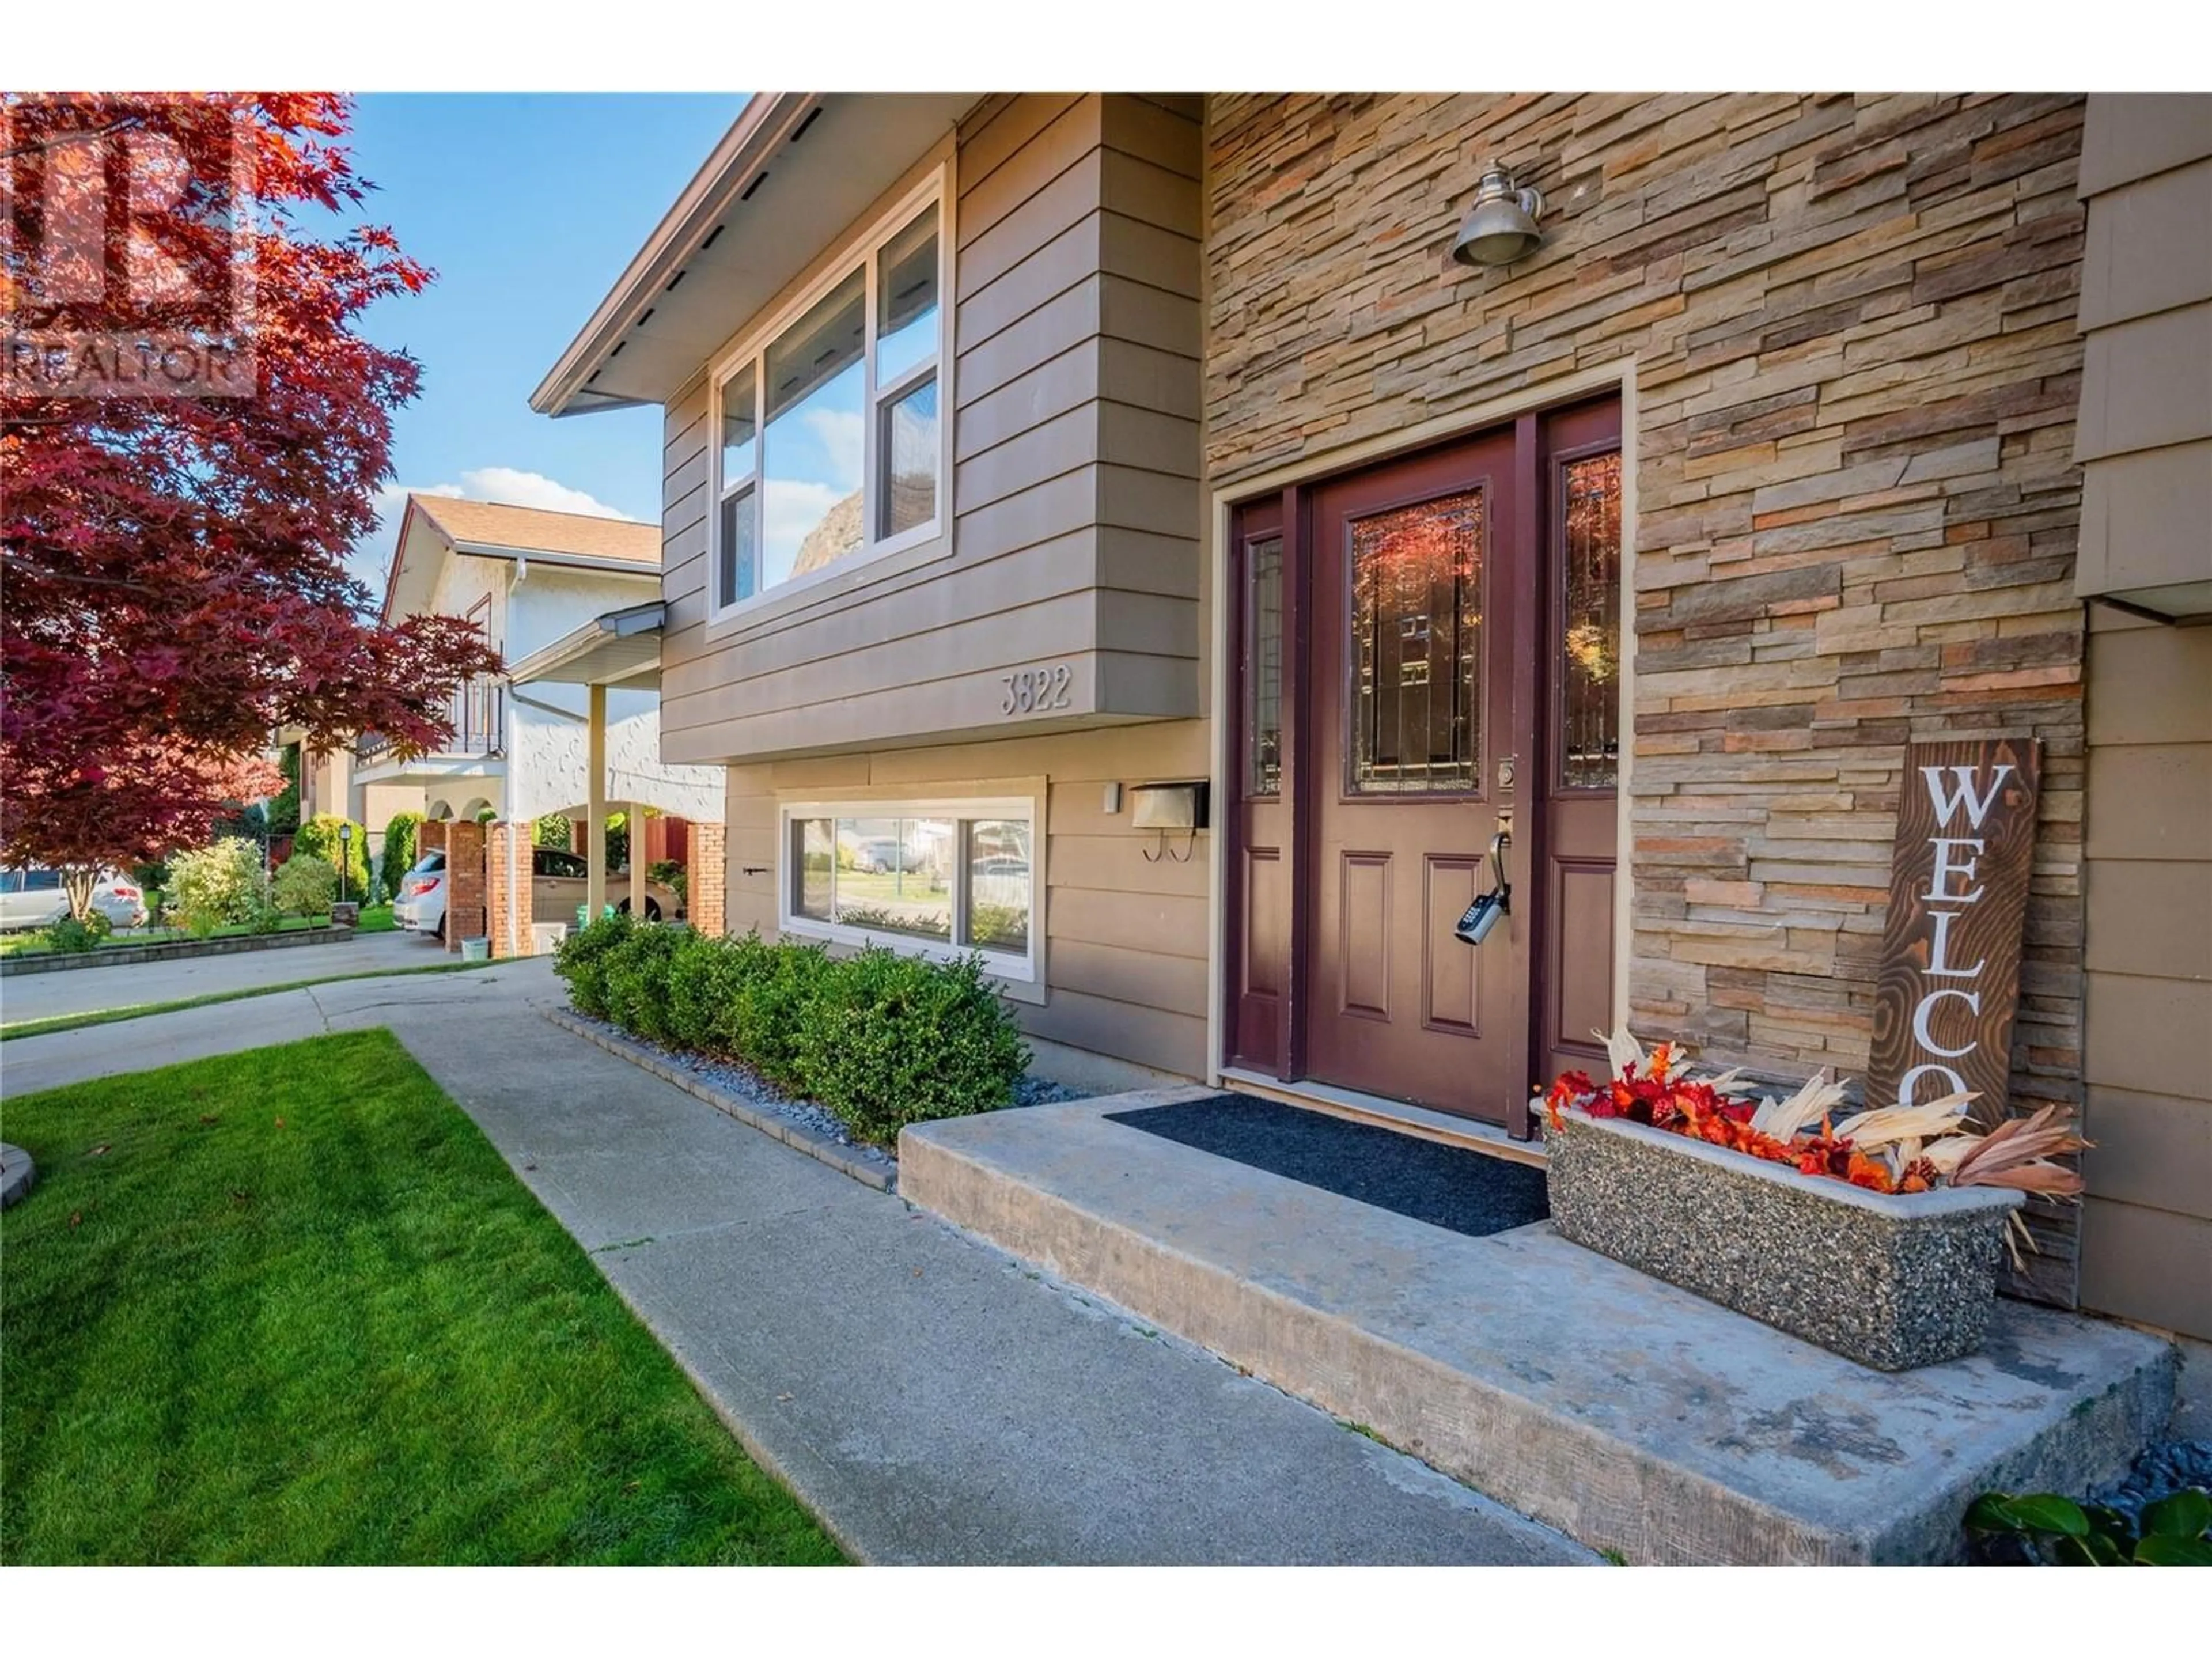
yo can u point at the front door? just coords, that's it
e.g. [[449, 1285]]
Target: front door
[[1429, 651], [1411, 774]]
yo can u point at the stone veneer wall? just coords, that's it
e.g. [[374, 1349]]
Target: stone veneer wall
[[1853, 328]]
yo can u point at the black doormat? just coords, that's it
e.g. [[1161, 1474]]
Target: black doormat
[[1446, 1185]]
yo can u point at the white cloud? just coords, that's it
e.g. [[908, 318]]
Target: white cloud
[[793, 508], [510, 486], [843, 439], [514, 487]]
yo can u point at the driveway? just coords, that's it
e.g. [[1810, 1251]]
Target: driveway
[[929, 1397], [92, 990]]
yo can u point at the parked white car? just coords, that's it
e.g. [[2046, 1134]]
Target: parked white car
[[558, 883], [32, 897], [418, 904]]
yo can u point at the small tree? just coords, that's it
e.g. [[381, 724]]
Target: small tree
[[319, 838], [554, 830], [216, 885], [399, 847], [283, 809], [306, 886], [175, 567]]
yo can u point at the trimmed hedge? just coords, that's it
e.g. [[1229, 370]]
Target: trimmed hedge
[[880, 1039]]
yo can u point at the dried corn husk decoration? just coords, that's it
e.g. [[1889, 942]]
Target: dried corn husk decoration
[[2016, 1154], [1785, 1120], [1887, 1126], [1622, 1052]]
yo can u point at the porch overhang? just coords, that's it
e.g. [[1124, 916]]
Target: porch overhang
[[793, 171], [619, 647]]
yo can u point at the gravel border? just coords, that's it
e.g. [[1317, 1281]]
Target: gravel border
[[745, 1096], [737, 1093]]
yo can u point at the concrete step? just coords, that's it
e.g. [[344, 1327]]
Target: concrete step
[[1632, 1416]]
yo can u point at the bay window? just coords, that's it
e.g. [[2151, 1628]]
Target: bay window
[[831, 447], [933, 878]]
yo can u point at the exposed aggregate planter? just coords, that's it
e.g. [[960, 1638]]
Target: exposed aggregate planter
[[1893, 1282]]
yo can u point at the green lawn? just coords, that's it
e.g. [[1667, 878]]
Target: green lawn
[[291, 1306], [374, 918]]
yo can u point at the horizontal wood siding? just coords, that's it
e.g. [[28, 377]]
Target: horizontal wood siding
[[1126, 937], [1075, 515], [2146, 442]]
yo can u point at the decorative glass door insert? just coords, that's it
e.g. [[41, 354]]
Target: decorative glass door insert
[[1415, 707]]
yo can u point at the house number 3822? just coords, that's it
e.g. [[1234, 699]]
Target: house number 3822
[[1033, 691]]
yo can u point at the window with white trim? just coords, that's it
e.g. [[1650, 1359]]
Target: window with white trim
[[933, 878], [829, 448]]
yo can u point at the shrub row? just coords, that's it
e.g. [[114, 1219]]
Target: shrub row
[[880, 1039]]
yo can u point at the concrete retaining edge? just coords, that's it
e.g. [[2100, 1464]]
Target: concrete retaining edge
[[123, 956], [1595, 1487], [797, 1136]]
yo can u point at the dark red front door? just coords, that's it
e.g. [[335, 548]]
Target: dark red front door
[[1427, 656], [1413, 704]]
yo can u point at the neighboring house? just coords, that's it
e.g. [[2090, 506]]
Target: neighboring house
[[1024, 451], [527, 577]]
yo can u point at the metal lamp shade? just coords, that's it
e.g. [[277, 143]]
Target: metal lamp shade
[[1502, 226]]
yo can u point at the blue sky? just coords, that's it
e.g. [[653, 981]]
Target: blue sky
[[528, 207]]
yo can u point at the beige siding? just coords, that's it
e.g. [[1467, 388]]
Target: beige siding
[[1125, 938], [2146, 443], [2147, 1228], [1074, 507]]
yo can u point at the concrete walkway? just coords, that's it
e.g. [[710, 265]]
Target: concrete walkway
[[93, 990], [928, 1397]]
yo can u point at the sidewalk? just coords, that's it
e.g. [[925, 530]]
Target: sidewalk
[[930, 1399], [88, 990]]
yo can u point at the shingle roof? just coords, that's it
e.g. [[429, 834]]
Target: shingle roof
[[534, 530]]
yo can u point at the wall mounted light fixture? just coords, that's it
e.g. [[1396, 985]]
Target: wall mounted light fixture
[[1501, 227]]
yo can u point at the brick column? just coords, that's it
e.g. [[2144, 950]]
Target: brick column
[[576, 838], [705, 901], [465, 883], [506, 889], [429, 836]]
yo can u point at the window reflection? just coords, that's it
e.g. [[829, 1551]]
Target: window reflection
[[1589, 643]]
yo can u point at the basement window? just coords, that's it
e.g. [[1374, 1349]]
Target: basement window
[[935, 878], [830, 448]]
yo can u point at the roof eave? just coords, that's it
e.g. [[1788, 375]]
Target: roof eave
[[704, 200]]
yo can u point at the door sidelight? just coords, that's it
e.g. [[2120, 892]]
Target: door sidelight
[[1482, 916]]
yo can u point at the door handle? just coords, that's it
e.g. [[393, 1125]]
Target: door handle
[[1482, 916]]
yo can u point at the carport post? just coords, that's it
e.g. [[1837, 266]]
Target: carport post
[[633, 817], [595, 807]]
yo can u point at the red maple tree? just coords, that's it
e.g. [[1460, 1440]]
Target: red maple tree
[[175, 586]]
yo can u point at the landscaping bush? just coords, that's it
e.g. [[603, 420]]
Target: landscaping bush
[[68, 935], [306, 886], [637, 980], [880, 1039], [583, 958], [319, 838], [554, 830], [216, 885], [889, 1040]]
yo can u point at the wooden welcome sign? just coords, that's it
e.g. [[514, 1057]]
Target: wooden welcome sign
[[1958, 900]]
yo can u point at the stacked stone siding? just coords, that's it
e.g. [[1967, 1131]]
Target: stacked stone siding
[[1852, 325]]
